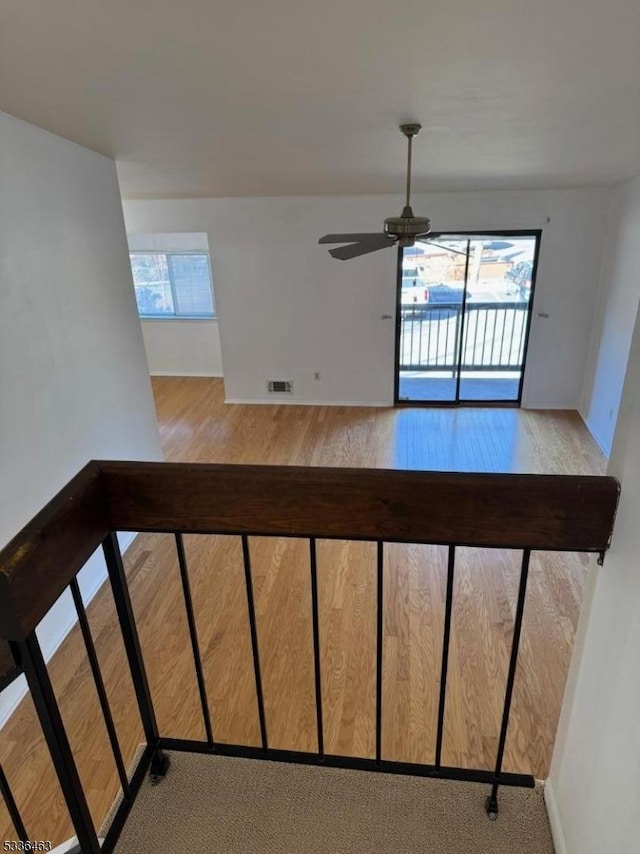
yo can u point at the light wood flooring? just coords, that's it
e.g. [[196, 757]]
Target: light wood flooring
[[196, 425]]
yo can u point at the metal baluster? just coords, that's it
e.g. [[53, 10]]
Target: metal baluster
[[44, 700], [12, 808], [193, 635], [100, 689], [413, 323], [445, 654], [495, 341], [254, 640], [120, 590], [430, 319], [484, 336], [504, 329], [456, 342], [316, 641], [446, 342], [513, 329], [380, 626], [492, 799], [521, 337]]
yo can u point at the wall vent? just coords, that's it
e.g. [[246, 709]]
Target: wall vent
[[280, 386]]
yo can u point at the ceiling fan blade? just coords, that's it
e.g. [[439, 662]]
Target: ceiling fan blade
[[344, 253], [446, 248], [352, 238]]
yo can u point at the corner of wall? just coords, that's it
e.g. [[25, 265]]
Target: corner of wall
[[557, 834], [604, 445]]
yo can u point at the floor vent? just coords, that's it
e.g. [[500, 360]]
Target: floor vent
[[280, 386]]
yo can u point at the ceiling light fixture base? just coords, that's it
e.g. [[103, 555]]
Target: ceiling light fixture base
[[411, 129]]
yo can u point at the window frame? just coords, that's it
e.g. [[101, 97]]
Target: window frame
[[175, 316]]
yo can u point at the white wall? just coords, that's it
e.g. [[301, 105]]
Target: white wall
[[73, 377], [616, 311], [594, 786], [286, 309], [184, 347]]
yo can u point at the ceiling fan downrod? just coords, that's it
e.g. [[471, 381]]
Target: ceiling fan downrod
[[409, 130]]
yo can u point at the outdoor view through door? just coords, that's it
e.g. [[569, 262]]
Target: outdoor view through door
[[463, 317]]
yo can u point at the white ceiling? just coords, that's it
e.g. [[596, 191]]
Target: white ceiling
[[285, 97]]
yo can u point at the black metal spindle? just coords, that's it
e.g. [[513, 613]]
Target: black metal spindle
[[446, 341], [413, 323], [48, 712], [502, 337], [514, 314], [124, 609], [492, 800], [445, 653], [420, 339], [380, 632], [505, 358], [193, 635], [12, 807], [254, 640], [521, 336], [316, 641], [470, 360], [484, 335], [494, 336], [94, 664], [456, 341]]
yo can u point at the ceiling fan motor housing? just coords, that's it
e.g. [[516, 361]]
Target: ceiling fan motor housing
[[407, 227]]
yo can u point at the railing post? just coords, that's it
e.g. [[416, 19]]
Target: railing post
[[111, 549], [379, 642], [12, 807], [253, 627], [492, 799], [315, 618], [193, 635], [44, 700], [445, 654], [100, 689]]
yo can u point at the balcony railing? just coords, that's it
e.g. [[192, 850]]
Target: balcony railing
[[493, 336], [543, 512]]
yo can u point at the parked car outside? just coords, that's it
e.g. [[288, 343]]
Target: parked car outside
[[414, 293], [422, 299], [442, 293]]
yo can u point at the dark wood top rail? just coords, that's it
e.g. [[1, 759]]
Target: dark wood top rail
[[40, 561], [568, 513], [8, 669]]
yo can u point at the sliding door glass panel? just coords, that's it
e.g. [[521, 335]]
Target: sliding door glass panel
[[431, 307], [499, 290]]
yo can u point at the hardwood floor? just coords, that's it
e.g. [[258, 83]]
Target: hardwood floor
[[196, 425]]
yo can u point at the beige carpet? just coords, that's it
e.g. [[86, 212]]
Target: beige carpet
[[233, 806]]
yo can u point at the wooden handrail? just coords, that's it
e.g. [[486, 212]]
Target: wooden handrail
[[40, 561], [8, 668], [554, 512], [567, 513]]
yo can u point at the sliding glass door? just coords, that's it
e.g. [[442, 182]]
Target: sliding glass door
[[463, 317]]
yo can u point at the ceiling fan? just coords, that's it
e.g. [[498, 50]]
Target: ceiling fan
[[401, 230]]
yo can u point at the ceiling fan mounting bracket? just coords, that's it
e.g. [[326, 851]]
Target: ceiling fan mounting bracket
[[411, 129]]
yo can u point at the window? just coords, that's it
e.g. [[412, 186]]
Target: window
[[173, 284]]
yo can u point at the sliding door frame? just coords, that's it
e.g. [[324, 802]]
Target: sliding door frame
[[535, 233]]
